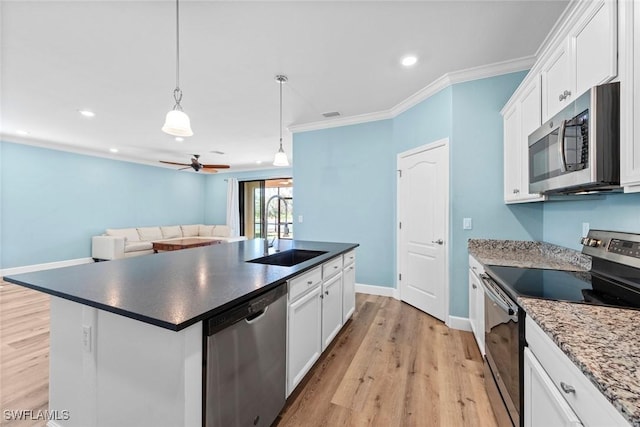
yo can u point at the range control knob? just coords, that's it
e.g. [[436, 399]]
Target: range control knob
[[584, 241], [594, 243]]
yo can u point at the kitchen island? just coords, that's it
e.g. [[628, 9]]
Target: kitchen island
[[127, 335]]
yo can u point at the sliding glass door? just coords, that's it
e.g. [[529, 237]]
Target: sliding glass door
[[266, 208]]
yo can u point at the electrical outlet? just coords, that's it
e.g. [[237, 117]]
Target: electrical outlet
[[86, 338], [467, 223], [585, 229], [300, 218]]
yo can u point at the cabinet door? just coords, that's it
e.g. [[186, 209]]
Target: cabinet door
[[476, 309], [557, 84], [543, 403], [331, 309], [630, 101], [512, 154], [595, 46], [348, 291], [304, 336]]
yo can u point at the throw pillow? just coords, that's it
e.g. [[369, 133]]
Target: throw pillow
[[149, 233], [190, 230]]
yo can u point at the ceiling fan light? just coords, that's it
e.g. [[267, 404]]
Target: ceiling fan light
[[281, 158], [177, 123]]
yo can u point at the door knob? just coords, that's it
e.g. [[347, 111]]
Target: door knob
[[439, 241]]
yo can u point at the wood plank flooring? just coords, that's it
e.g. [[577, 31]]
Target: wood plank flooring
[[24, 352], [391, 365]]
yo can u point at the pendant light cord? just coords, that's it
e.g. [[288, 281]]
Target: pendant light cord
[[281, 114], [177, 45]]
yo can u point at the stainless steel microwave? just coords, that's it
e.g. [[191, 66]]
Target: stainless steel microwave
[[579, 148]]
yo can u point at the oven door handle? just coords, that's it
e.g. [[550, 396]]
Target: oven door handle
[[496, 299]]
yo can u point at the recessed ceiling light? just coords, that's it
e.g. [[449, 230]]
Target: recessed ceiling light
[[179, 139], [408, 61], [87, 113], [113, 150], [22, 132]]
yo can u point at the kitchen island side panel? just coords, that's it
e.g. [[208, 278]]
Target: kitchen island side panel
[[108, 370]]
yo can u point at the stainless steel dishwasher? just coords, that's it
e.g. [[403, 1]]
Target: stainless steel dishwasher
[[246, 362]]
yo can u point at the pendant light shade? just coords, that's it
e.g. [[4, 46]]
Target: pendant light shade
[[280, 158], [177, 123]]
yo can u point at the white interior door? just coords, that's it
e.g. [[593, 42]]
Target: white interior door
[[423, 206]]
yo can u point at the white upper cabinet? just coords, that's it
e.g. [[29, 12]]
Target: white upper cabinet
[[520, 119], [587, 57], [630, 98], [557, 87]]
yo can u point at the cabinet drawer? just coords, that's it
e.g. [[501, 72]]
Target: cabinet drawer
[[349, 258], [586, 400], [300, 285], [475, 266], [332, 267]]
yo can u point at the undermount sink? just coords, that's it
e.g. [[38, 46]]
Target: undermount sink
[[288, 258]]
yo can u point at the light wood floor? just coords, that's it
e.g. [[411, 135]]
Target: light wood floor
[[392, 365], [24, 352]]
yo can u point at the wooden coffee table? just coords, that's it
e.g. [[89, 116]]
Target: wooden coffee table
[[174, 245]]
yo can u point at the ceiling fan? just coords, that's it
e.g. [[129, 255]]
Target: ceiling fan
[[197, 166]]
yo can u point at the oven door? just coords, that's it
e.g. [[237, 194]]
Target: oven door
[[502, 348]]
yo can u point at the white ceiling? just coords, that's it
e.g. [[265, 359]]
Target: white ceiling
[[117, 58]]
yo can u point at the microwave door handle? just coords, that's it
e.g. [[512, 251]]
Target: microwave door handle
[[493, 297], [561, 146]]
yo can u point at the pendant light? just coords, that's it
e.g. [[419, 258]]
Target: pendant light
[[177, 123], [281, 157]]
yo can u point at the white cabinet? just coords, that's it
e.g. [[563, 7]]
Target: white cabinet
[[544, 405], [581, 395], [586, 57], [331, 309], [630, 99], [476, 302], [557, 87], [521, 118], [304, 344], [349, 285]]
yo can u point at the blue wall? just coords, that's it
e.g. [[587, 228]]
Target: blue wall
[[52, 201], [344, 186], [216, 190], [563, 219], [345, 180]]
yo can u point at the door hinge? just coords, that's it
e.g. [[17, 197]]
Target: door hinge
[[400, 172], [399, 276], [400, 225]]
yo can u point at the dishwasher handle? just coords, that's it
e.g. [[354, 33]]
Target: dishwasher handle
[[250, 311]]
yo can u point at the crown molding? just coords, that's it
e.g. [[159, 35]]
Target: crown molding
[[446, 80]]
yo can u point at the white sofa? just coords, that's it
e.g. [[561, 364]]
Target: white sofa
[[127, 242]]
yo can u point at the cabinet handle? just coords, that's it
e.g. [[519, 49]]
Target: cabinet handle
[[474, 268], [561, 97], [326, 292], [473, 285], [516, 191], [321, 296], [567, 388], [310, 282], [335, 267]]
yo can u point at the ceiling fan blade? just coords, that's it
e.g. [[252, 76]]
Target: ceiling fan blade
[[174, 163], [216, 166], [209, 170]]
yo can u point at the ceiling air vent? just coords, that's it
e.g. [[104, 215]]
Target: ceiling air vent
[[331, 114]]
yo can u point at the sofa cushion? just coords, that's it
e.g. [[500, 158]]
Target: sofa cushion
[[138, 246], [149, 233], [171, 232], [221, 231], [205, 230], [190, 230], [130, 234]]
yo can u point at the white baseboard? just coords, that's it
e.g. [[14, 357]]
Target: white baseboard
[[460, 323], [45, 266], [377, 290]]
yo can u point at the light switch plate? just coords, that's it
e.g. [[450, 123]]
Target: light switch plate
[[467, 223], [585, 229], [86, 338], [300, 218]]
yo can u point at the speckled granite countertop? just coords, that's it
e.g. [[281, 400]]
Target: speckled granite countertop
[[519, 253], [601, 342]]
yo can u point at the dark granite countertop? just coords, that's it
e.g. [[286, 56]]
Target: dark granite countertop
[[174, 290]]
